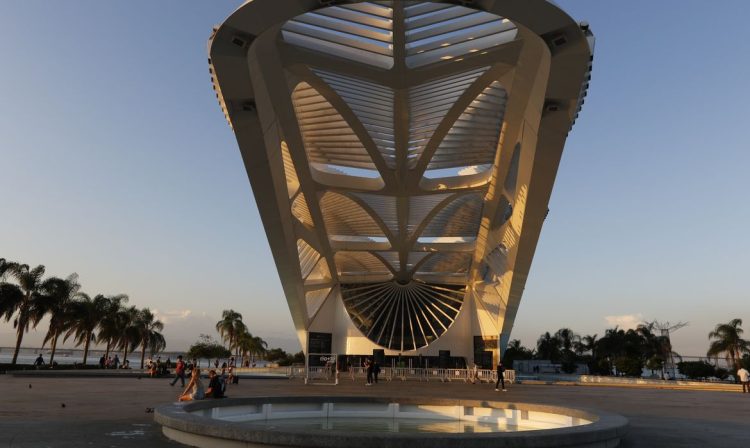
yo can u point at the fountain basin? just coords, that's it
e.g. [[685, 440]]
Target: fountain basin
[[382, 422]]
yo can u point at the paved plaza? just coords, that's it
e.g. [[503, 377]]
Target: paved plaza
[[111, 412]]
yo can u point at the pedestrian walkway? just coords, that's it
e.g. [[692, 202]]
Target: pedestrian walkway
[[113, 411]]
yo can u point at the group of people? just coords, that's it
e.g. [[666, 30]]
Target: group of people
[[196, 391], [157, 367], [113, 363], [372, 368], [217, 382]]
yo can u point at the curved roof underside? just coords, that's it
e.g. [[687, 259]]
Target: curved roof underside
[[397, 172]]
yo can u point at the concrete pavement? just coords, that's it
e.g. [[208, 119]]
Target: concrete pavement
[[112, 412]]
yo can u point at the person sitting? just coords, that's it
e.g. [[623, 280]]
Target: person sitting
[[215, 386], [231, 377], [194, 389], [151, 369]]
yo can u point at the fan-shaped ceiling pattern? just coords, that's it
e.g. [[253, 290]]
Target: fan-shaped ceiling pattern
[[495, 263], [474, 136], [459, 218], [373, 105], [343, 216], [364, 32], [414, 258], [361, 32], [402, 317], [429, 103], [308, 257], [442, 32], [359, 263], [314, 300], [319, 274], [328, 138], [420, 207], [301, 211], [384, 206], [446, 263], [391, 257]]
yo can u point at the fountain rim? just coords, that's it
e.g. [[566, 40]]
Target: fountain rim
[[604, 426]]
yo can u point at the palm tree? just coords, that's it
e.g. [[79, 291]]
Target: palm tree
[[729, 342], [85, 314], [156, 343], [548, 347], [657, 349], [230, 326], [22, 300], [58, 296], [250, 345], [568, 338], [129, 334], [588, 344], [4, 267], [148, 331], [110, 328]]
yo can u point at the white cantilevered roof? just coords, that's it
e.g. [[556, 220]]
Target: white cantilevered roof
[[404, 192]]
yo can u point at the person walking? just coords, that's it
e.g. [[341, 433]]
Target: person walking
[[369, 369], [500, 377], [375, 371], [116, 362], [744, 377], [179, 372]]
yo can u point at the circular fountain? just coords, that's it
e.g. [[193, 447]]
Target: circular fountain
[[381, 422]]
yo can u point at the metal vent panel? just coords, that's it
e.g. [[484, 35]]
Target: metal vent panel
[[328, 138], [402, 317], [473, 138], [429, 103], [373, 106]]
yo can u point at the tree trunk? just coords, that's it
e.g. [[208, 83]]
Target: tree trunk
[[143, 354], [19, 338], [106, 354], [125, 354], [54, 347], [86, 348]]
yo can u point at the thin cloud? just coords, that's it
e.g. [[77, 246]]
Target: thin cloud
[[172, 316], [473, 169], [624, 321]]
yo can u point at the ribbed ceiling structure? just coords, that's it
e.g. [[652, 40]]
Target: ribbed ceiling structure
[[403, 139]]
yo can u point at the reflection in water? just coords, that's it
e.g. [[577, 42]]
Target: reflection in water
[[401, 425]]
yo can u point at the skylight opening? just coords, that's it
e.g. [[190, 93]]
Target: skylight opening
[[457, 171], [446, 239], [346, 170], [358, 239]]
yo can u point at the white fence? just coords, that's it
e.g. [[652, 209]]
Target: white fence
[[430, 374], [329, 373]]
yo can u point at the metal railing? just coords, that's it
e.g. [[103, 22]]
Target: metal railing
[[429, 374], [328, 373]]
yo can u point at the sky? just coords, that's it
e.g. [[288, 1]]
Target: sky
[[116, 163]]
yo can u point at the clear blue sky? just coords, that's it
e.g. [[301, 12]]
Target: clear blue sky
[[116, 163]]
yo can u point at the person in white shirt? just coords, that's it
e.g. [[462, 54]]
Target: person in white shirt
[[744, 376]]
